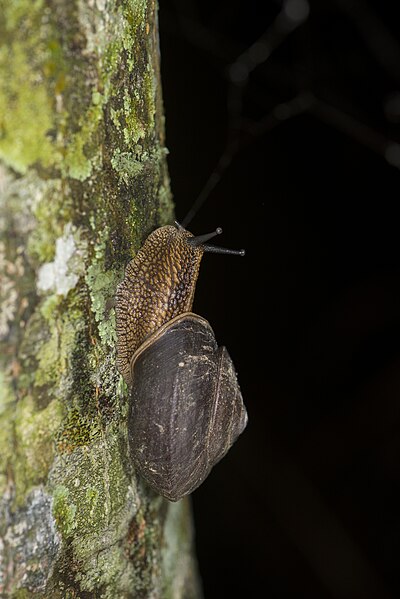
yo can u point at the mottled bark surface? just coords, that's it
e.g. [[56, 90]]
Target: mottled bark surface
[[83, 180]]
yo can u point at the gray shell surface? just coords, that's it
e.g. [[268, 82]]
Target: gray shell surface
[[186, 409]]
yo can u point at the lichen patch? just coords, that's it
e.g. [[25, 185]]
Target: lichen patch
[[62, 274]]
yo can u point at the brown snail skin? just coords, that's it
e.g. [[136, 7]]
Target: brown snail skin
[[185, 405]]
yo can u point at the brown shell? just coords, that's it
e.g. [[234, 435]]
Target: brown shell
[[159, 284], [186, 409]]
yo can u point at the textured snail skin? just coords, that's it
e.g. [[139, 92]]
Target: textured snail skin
[[159, 284], [185, 405]]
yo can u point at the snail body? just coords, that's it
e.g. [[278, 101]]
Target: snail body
[[185, 405]]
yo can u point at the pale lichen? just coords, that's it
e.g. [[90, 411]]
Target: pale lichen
[[101, 284], [62, 274], [126, 164]]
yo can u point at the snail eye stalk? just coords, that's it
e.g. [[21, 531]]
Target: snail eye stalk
[[200, 239], [215, 249]]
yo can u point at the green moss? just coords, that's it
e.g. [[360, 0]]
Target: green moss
[[54, 353], [50, 307], [6, 446], [92, 499], [34, 439], [135, 12], [149, 86], [132, 111], [64, 511], [21, 594], [6, 393], [166, 209], [51, 211], [55, 67], [78, 430], [135, 126], [33, 76], [94, 502], [48, 360], [76, 164], [107, 574], [83, 154], [26, 114], [97, 98]]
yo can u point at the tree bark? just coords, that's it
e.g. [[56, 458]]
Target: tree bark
[[83, 180]]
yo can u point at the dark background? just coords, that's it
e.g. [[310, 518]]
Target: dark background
[[306, 504]]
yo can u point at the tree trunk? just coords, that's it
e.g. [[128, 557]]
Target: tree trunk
[[83, 180]]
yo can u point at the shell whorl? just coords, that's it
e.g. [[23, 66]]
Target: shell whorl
[[186, 409], [159, 284]]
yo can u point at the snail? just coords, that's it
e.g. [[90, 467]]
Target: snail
[[185, 405]]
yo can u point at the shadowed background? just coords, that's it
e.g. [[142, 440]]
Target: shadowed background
[[299, 104]]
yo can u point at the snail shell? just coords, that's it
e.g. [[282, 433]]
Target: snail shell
[[186, 408], [185, 405]]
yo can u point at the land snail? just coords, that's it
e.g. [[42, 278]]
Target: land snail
[[185, 405]]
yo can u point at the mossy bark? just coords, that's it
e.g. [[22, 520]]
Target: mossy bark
[[83, 180]]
